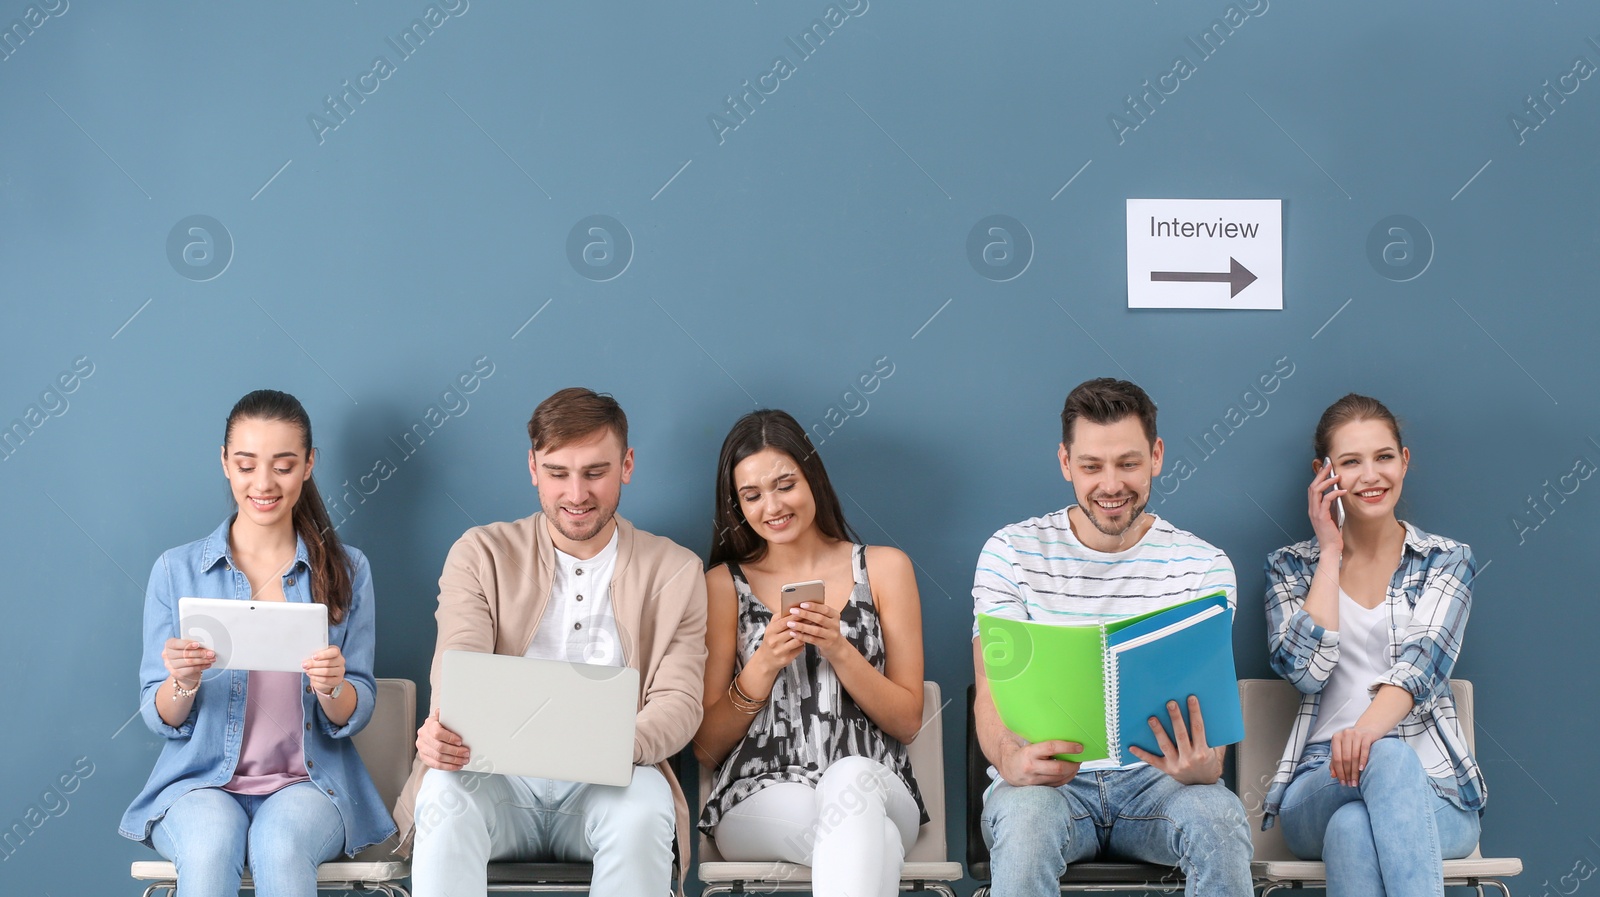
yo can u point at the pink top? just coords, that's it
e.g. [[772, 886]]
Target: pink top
[[271, 754]]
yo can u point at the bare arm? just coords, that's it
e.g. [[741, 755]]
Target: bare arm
[[893, 698], [1351, 746], [722, 726]]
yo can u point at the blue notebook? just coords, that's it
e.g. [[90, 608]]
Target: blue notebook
[[1182, 651]]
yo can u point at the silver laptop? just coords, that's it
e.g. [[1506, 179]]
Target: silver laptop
[[275, 636], [550, 719]]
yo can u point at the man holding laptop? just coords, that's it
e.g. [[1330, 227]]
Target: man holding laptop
[[1100, 560], [573, 583]]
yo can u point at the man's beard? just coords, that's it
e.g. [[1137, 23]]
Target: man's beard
[[1090, 509], [603, 515]]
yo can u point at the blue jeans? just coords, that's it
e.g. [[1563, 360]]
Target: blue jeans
[[209, 834], [1139, 814], [1386, 837]]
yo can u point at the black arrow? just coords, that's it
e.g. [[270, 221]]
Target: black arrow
[[1238, 276]]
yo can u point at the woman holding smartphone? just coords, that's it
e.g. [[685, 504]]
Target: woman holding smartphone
[[808, 708], [1366, 620], [259, 766]]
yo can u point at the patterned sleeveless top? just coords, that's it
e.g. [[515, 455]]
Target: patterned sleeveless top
[[810, 720]]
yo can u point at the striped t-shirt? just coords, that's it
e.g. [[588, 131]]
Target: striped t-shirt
[[1038, 570]]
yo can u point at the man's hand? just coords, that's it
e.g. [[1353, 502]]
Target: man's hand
[[1185, 756], [439, 747], [1022, 763]]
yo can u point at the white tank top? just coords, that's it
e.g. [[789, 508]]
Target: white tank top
[[1363, 658]]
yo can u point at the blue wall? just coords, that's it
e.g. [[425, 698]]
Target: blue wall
[[364, 264]]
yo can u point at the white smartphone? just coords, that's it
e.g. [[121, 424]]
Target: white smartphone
[[796, 592], [1338, 503]]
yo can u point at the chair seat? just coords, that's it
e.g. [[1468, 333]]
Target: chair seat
[[721, 872], [1121, 873], [1113, 873], [348, 871], [540, 873], [1454, 870]]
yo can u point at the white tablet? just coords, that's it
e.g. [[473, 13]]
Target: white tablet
[[546, 718], [275, 636]]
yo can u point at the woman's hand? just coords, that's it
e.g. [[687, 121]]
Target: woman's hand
[[779, 647], [1350, 749], [325, 669], [1320, 501], [186, 660], [818, 624]]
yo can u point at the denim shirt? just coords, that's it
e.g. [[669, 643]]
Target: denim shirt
[[1427, 604], [204, 750]]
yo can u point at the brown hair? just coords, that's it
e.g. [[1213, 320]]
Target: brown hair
[[732, 539], [1352, 407], [330, 566], [1106, 401], [572, 414]]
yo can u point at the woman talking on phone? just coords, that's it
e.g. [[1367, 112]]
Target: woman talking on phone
[[808, 705], [1366, 620], [258, 767]]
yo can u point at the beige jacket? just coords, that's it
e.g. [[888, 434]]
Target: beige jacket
[[492, 595]]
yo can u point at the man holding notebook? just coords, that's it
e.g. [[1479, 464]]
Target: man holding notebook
[[1100, 560], [575, 583]]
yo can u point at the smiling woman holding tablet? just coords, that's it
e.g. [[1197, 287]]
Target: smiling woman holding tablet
[[257, 763]]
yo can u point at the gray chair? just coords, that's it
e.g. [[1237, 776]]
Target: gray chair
[[387, 746], [1269, 711], [926, 867]]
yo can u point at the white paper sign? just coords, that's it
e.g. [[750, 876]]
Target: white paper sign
[[1205, 253]]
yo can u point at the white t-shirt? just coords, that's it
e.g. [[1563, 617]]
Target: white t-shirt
[[1038, 570], [1363, 659], [579, 625]]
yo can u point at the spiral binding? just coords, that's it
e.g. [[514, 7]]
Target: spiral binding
[[1109, 670]]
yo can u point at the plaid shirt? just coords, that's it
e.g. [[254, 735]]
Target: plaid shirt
[[1427, 604]]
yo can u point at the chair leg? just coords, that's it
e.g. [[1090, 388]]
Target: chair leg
[[938, 887], [1497, 883], [170, 887], [982, 891]]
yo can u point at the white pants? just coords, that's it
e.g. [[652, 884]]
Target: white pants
[[464, 820], [853, 829]]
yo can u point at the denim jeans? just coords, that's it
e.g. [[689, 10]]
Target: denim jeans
[[1386, 837], [1139, 814], [210, 835], [467, 819]]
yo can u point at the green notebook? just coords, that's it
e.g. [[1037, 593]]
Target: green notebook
[[1061, 682]]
